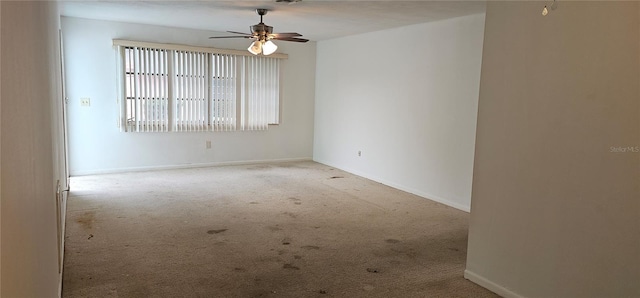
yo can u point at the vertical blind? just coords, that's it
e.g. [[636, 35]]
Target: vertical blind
[[262, 86], [181, 90], [146, 89], [191, 96], [223, 87]]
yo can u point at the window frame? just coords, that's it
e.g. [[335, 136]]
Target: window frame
[[241, 87]]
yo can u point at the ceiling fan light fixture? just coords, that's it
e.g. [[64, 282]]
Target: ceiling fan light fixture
[[255, 47], [269, 48]]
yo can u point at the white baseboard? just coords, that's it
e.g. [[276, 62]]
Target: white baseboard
[[431, 197], [489, 285], [185, 166], [65, 196]]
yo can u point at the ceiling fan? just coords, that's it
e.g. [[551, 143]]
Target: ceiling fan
[[262, 36]]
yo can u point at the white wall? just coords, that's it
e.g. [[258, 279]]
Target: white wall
[[32, 155], [96, 144], [555, 210], [407, 98]]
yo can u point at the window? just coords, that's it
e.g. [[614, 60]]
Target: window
[[181, 88]]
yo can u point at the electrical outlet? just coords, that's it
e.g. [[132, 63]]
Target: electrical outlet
[[85, 102], [208, 144]]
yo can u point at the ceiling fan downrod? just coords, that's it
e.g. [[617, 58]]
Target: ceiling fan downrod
[[261, 12]]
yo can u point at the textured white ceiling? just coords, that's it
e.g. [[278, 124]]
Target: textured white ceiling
[[316, 20]]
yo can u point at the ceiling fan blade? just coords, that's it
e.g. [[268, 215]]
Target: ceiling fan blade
[[241, 33], [288, 34], [263, 33], [291, 39], [214, 37]]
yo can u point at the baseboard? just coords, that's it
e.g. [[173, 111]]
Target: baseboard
[[185, 166], [65, 196], [489, 285], [428, 196]]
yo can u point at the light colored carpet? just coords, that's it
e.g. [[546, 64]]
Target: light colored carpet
[[270, 230]]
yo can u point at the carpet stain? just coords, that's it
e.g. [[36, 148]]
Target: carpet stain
[[336, 177], [211, 232], [274, 228], [392, 241], [373, 270], [290, 214], [322, 292], [286, 241], [411, 253], [90, 236], [310, 247], [254, 203], [289, 266], [239, 269], [295, 200], [87, 219], [297, 257]]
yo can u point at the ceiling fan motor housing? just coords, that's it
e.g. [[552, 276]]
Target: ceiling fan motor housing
[[262, 31]]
